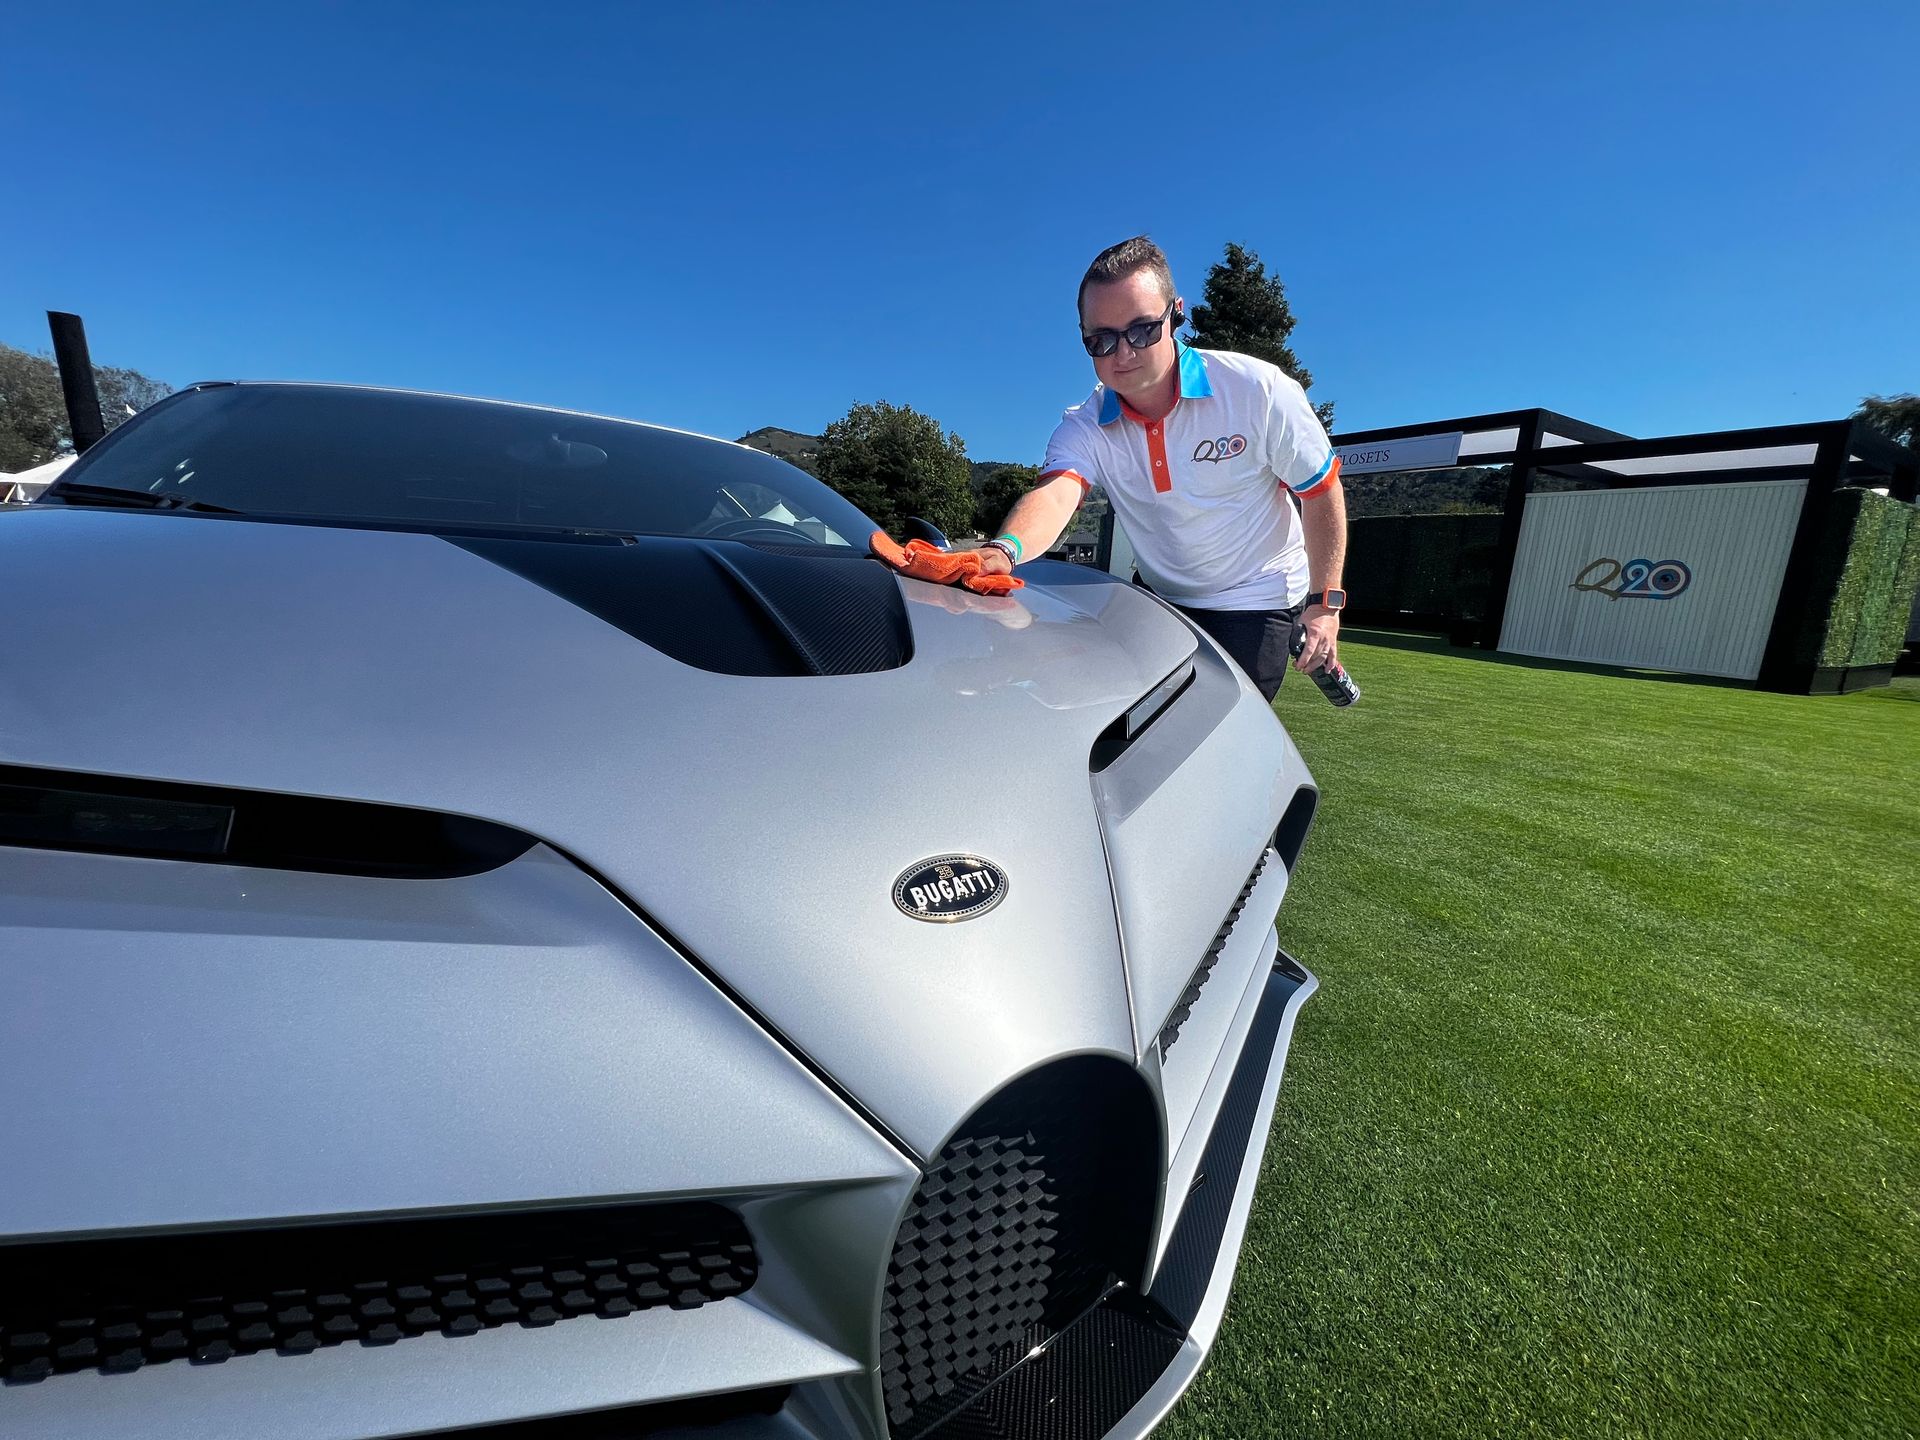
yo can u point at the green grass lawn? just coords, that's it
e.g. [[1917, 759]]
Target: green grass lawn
[[1606, 1119]]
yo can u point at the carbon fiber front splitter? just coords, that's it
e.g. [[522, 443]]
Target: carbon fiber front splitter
[[1115, 1372]]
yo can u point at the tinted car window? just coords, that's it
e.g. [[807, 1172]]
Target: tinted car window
[[377, 455]]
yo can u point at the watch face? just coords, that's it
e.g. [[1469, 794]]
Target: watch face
[[1336, 600]]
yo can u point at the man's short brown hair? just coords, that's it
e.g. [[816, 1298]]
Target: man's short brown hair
[[1122, 262]]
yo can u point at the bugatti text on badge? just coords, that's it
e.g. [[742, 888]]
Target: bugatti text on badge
[[950, 887]]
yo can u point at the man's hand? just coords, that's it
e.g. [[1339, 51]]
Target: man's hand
[[993, 562], [927, 562], [1323, 634]]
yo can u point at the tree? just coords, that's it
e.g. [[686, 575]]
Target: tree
[[33, 413], [893, 462], [999, 491], [1246, 310], [33, 419], [125, 393], [1895, 416]]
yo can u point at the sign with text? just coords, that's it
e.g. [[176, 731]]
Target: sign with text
[[1416, 452]]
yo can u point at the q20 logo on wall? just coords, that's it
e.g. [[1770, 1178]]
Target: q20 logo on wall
[[1635, 580]]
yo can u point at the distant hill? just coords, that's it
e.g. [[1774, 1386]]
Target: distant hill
[[1464, 490], [1468, 489], [790, 445]]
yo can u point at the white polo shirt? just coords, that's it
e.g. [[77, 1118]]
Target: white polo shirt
[[1199, 491]]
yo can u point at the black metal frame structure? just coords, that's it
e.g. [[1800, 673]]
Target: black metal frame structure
[[1829, 454]]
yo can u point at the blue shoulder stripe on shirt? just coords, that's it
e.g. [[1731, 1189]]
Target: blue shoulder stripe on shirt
[[1317, 475], [1194, 384]]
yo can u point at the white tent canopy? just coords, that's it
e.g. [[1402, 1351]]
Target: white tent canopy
[[27, 484]]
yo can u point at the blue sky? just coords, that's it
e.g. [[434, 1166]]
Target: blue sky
[[1660, 218]]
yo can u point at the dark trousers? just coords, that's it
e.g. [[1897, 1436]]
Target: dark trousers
[[1256, 639]]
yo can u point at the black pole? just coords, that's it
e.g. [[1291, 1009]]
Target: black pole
[[1781, 667], [1103, 547], [1519, 481], [76, 379]]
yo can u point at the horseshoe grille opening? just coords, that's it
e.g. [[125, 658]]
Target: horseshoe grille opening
[[1032, 1212]]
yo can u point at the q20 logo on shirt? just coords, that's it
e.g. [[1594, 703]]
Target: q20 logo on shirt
[[1635, 580], [1225, 448]]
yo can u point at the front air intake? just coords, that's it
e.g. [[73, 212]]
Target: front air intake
[[217, 824], [1294, 825], [1036, 1208], [117, 1305], [1177, 1019]]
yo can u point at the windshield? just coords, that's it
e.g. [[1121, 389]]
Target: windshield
[[315, 451]]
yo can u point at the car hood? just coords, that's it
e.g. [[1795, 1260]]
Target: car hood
[[760, 821]]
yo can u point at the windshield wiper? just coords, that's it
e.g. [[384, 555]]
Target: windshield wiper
[[80, 493]]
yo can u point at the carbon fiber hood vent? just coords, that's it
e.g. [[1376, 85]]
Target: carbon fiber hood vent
[[727, 607]]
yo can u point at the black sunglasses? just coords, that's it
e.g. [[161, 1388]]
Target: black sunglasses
[[1140, 334]]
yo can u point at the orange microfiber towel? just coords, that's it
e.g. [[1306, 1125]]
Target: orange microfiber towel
[[922, 561]]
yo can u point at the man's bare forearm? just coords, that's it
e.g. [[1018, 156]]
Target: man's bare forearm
[[1039, 516], [1323, 525], [1323, 522]]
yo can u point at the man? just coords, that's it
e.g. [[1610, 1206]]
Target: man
[[1203, 454]]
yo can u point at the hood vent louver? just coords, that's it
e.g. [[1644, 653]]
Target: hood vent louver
[[724, 606], [1114, 740]]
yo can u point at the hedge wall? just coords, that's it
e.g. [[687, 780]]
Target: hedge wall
[[1867, 568], [1425, 565]]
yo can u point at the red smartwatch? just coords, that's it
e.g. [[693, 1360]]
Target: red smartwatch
[[1334, 600]]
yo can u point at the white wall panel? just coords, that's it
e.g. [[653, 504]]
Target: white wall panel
[[1733, 540]]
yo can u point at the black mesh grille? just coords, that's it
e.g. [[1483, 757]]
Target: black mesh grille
[[1085, 1379], [115, 1305], [971, 1271], [1019, 1226], [1190, 997]]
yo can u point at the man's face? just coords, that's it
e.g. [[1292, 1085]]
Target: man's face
[[1128, 371]]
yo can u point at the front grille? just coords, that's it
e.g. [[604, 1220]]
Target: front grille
[[116, 1305], [1086, 1378], [1019, 1226], [1190, 997]]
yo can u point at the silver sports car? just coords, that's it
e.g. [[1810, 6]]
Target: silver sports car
[[513, 923]]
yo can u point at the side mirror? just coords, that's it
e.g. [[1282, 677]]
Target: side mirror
[[918, 529]]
